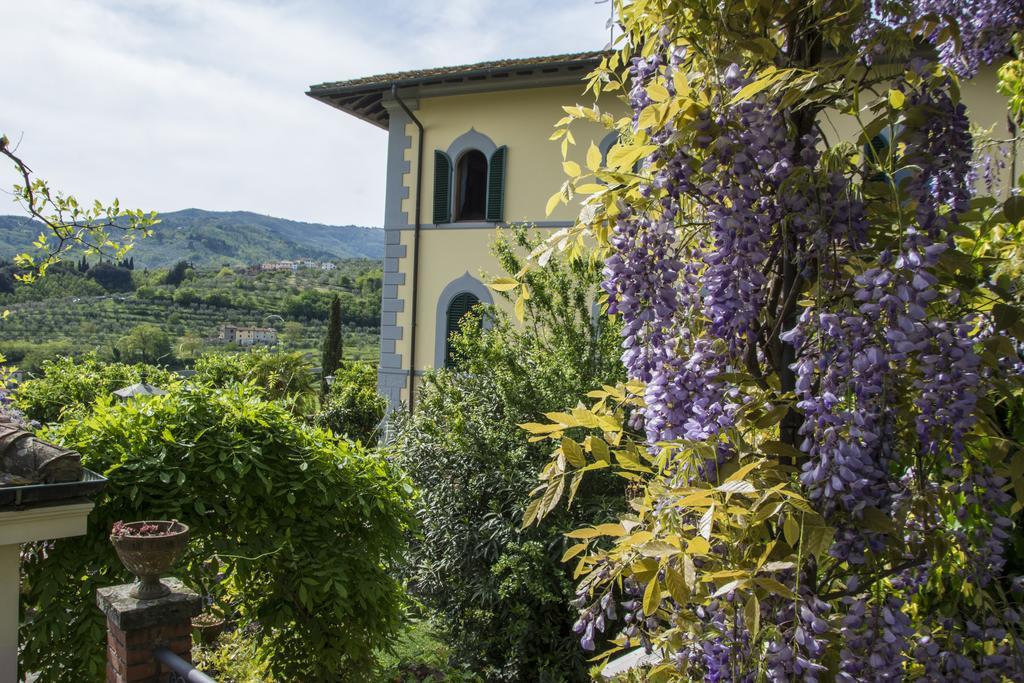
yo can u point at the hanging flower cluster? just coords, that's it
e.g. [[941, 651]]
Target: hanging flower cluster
[[815, 359], [967, 33]]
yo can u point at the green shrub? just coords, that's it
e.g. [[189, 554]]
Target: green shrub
[[278, 376], [76, 383], [353, 407], [500, 595], [147, 342], [233, 658], [306, 528], [418, 654], [112, 278]]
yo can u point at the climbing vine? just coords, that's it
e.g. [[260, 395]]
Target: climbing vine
[[822, 332]]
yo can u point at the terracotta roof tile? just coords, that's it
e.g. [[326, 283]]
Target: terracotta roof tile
[[459, 70]]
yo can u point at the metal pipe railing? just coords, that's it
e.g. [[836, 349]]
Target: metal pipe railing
[[180, 669]]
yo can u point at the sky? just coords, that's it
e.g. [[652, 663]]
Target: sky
[[172, 104]]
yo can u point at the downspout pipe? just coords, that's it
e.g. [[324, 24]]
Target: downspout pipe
[[415, 241]]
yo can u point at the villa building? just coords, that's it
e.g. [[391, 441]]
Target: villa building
[[248, 336], [468, 152]]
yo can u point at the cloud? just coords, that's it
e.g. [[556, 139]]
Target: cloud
[[171, 104]]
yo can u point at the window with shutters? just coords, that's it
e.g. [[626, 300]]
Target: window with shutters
[[458, 307], [471, 187]]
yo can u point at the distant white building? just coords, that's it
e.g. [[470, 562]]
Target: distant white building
[[295, 265], [280, 265], [247, 336]]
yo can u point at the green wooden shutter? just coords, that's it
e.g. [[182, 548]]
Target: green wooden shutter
[[442, 187], [496, 185], [459, 306]]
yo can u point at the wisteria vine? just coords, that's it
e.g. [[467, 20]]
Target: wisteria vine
[[753, 246]]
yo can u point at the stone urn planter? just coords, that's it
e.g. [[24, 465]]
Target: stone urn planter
[[207, 627], [148, 550]]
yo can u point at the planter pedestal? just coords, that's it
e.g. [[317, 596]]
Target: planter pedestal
[[136, 627]]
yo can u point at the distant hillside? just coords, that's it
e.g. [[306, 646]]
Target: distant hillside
[[216, 237]]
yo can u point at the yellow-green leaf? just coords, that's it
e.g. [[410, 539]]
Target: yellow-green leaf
[[652, 597], [743, 471], [681, 82], [783, 450], [649, 117], [698, 546], [776, 587], [657, 92], [755, 87], [572, 169], [697, 498], [600, 449], [586, 532], [689, 572], [704, 527], [658, 549], [896, 99], [610, 529], [676, 585], [538, 428], [593, 158], [791, 531], [730, 586], [819, 540], [752, 615], [503, 284], [554, 201], [573, 551], [772, 417], [737, 487], [623, 157], [573, 453]]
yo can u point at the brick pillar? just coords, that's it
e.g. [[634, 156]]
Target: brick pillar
[[135, 627]]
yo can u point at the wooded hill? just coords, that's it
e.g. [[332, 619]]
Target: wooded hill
[[214, 238]]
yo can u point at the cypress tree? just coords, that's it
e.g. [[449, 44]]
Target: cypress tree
[[332, 351]]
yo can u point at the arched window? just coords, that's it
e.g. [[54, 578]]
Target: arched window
[[469, 180], [458, 307], [471, 187]]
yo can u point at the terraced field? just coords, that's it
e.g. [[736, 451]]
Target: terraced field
[[290, 302]]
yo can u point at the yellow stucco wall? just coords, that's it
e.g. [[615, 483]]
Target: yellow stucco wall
[[522, 120]]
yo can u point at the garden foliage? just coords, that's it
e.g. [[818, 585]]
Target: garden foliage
[[306, 529], [498, 592], [352, 406], [74, 384], [277, 376], [822, 338]]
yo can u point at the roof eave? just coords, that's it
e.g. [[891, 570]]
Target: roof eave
[[331, 94]]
